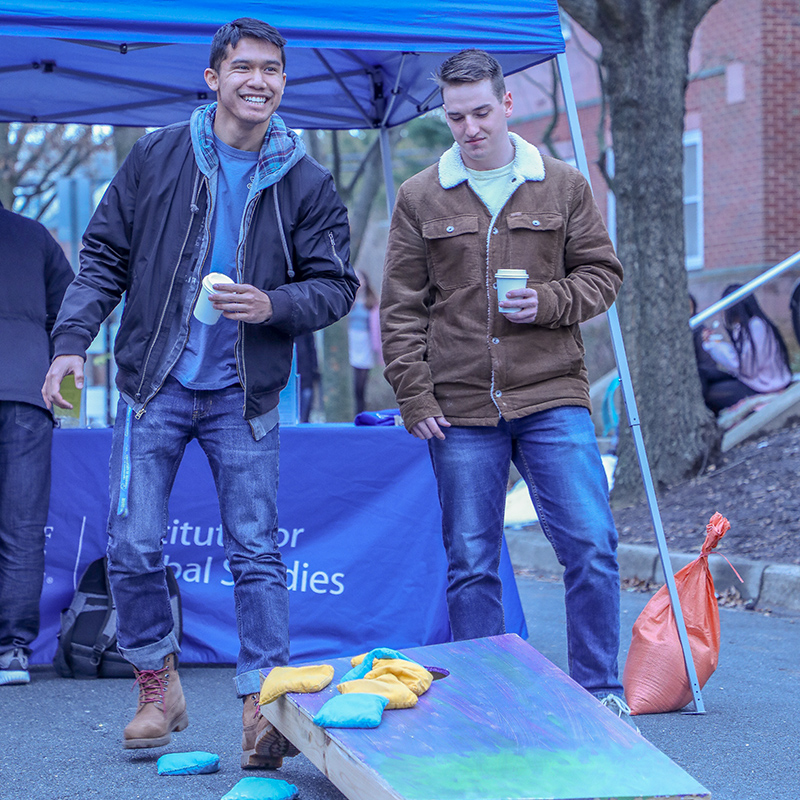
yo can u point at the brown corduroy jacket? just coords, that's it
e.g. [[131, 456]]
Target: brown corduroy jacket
[[448, 350]]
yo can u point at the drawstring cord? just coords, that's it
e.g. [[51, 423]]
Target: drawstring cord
[[125, 475], [289, 265]]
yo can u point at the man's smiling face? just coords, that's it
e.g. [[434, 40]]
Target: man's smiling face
[[249, 85]]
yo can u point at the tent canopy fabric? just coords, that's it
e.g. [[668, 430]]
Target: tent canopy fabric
[[349, 65]]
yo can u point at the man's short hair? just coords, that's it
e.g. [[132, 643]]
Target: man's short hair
[[232, 33], [471, 66]]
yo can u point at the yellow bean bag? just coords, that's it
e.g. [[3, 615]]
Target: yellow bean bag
[[388, 686], [414, 676], [281, 680]]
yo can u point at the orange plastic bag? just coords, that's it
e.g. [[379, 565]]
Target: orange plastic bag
[[655, 677]]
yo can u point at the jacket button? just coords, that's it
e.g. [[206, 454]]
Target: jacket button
[[495, 231], [495, 340], [450, 228], [536, 223], [498, 393]]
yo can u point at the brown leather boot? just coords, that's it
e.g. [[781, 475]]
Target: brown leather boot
[[264, 746], [161, 710]]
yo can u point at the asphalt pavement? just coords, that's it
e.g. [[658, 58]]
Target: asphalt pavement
[[60, 739]]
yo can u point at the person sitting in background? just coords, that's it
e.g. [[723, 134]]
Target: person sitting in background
[[762, 360], [715, 363]]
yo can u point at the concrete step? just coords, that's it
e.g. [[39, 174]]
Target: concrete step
[[779, 410]]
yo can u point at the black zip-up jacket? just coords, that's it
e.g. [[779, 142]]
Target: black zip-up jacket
[[34, 274], [148, 238]]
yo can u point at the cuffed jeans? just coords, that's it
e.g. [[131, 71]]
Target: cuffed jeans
[[556, 453], [26, 435], [246, 476]]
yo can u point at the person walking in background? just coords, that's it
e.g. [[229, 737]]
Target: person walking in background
[[363, 338], [34, 274], [308, 371], [487, 382], [231, 191]]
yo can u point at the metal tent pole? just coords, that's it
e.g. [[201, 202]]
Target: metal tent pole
[[630, 406], [388, 177]]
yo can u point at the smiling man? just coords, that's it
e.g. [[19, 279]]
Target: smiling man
[[232, 191], [486, 380]]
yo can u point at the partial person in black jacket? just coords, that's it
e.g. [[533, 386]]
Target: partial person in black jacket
[[34, 274], [232, 191]]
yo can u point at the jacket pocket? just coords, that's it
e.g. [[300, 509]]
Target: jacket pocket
[[541, 356], [455, 251], [537, 243]]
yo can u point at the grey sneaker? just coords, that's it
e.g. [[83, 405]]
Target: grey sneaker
[[619, 708], [14, 668]]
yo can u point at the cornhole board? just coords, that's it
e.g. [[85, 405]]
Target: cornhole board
[[506, 724]]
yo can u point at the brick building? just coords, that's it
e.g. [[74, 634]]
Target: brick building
[[741, 143]]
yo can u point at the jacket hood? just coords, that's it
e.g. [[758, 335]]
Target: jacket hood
[[281, 150], [527, 165]]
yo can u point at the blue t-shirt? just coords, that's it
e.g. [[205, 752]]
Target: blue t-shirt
[[208, 360]]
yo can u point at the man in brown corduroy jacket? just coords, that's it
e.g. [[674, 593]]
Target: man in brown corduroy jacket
[[486, 382]]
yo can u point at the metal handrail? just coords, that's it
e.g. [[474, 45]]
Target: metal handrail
[[744, 291]]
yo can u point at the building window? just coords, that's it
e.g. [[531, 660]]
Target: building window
[[693, 198]]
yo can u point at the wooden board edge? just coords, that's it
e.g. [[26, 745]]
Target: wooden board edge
[[346, 772]]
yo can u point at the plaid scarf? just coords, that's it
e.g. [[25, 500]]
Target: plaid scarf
[[281, 150]]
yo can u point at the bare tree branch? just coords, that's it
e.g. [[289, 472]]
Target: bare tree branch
[[553, 93], [584, 12], [9, 152], [366, 160], [74, 154]]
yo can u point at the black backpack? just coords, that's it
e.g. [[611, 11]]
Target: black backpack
[[87, 643]]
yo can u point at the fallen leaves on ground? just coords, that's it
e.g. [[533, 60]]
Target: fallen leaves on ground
[[756, 485]]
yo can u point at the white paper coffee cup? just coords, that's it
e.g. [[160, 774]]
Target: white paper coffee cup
[[506, 280], [203, 310]]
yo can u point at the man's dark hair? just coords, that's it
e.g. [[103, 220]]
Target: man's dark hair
[[230, 34], [471, 66]]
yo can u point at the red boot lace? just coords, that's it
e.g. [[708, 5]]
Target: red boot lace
[[152, 684]]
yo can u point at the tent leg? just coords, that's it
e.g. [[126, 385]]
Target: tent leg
[[388, 176], [632, 412]]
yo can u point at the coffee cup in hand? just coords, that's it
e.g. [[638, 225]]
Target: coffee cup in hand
[[204, 311], [507, 280]]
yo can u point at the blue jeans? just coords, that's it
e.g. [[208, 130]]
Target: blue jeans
[[246, 476], [26, 435], [556, 453]]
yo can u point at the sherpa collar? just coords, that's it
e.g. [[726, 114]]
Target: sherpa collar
[[281, 150], [527, 165]]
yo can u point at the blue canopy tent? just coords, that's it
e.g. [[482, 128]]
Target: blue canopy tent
[[353, 64]]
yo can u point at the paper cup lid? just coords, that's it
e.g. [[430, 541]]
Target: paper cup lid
[[511, 273], [215, 277]]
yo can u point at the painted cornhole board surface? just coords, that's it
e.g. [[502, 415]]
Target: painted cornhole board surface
[[506, 724]]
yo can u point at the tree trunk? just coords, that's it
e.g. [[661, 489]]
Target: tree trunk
[[124, 140], [645, 57]]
